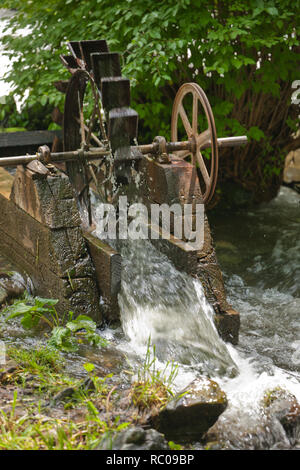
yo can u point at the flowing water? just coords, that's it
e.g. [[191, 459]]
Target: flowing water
[[157, 301], [259, 253]]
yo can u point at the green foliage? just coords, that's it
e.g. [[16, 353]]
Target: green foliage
[[32, 116], [174, 446], [153, 386], [150, 372], [82, 328], [35, 310], [164, 44], [41, 360], [33, 430]]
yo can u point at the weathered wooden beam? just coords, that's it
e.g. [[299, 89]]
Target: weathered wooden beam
[[108, 265], [69, 62], [105, 65], [50, 249], [74, 48], [89, 47], [174, 182], [17, 143], [46, 198], [6, 182], [115, 92], [122, 127]]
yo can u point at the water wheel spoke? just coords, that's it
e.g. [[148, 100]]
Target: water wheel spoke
[[203, 168], [98, 141], [91, 125], [203, 138], [185, 120], [93, 136], [97, 100]]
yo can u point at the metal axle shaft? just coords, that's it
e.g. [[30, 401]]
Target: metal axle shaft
[[43, 154]]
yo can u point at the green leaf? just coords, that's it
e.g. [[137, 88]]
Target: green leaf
[[61, 338], [272, 11], [19, 311], [255, 133], [81, 322], [41, 301], [44, 100], [29, 321], [237, 63], [89, 367]]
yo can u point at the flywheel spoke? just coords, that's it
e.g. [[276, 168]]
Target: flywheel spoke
[[203, 168], [195, 114], [185, 120], [183, 153], [203, 138]]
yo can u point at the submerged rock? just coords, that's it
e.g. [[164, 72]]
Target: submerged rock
[[134, 438], [272, 422], [192, 412], [284, 407]]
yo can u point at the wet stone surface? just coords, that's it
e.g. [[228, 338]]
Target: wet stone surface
[[12, 283], [192, 412], [135, 438]]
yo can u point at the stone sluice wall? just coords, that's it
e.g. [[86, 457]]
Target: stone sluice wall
[[41, 231]]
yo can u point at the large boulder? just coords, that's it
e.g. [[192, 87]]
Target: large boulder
[[192, 412]]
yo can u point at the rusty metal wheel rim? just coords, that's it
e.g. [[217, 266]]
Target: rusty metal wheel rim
[[197, 140]]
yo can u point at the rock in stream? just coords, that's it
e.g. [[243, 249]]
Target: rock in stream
[[192, 412]]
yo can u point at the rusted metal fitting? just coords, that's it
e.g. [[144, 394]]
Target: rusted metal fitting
[[161, 152], [44, 154]]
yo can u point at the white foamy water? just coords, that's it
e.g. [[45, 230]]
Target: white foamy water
[[170, 307]]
